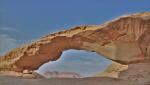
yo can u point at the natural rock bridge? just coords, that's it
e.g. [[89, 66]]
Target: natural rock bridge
[[125, 40]]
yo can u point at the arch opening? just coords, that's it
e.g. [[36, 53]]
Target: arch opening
[[81, 62]]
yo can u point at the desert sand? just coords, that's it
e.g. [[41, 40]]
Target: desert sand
[[5, 80]]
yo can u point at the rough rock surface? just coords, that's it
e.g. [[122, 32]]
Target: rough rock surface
[[112, 70], [139, 72], [125, 40]]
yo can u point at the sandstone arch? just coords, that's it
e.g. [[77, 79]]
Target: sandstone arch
[[125, 40]]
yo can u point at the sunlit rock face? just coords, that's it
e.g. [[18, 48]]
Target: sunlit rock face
[[112, 70], [125, 40]]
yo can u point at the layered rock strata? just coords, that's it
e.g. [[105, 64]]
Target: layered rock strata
[[125, 40]]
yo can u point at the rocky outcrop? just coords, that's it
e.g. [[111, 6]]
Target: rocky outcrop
[[112, 70], [125, 40], [24, 74], [56, 74], [139, 72]]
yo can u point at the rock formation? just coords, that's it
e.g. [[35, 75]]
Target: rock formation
[[112, 70], [138, 72], [125, 40]]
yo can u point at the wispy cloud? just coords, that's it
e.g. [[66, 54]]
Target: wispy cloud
[[9, 29], [6, 43]]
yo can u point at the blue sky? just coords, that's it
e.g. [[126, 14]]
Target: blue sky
[[22, 21], [78, 61]]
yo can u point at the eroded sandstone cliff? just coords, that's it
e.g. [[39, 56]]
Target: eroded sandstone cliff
[[112, 70], [125, 40]]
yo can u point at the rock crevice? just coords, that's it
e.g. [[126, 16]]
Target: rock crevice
[[124, 40]]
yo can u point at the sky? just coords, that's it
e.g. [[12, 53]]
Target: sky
[[79, 61], [22, 21]]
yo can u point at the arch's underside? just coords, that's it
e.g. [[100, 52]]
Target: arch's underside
[[125, 40]]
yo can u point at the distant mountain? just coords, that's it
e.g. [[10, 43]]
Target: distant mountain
[[56, 74]]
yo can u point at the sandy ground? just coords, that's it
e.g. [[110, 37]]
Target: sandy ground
[[137, 74], [6, 80]]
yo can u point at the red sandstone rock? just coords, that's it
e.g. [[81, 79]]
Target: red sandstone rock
[[124, 40]]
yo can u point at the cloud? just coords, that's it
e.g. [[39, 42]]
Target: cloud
[[6, 43], [9, 29]]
